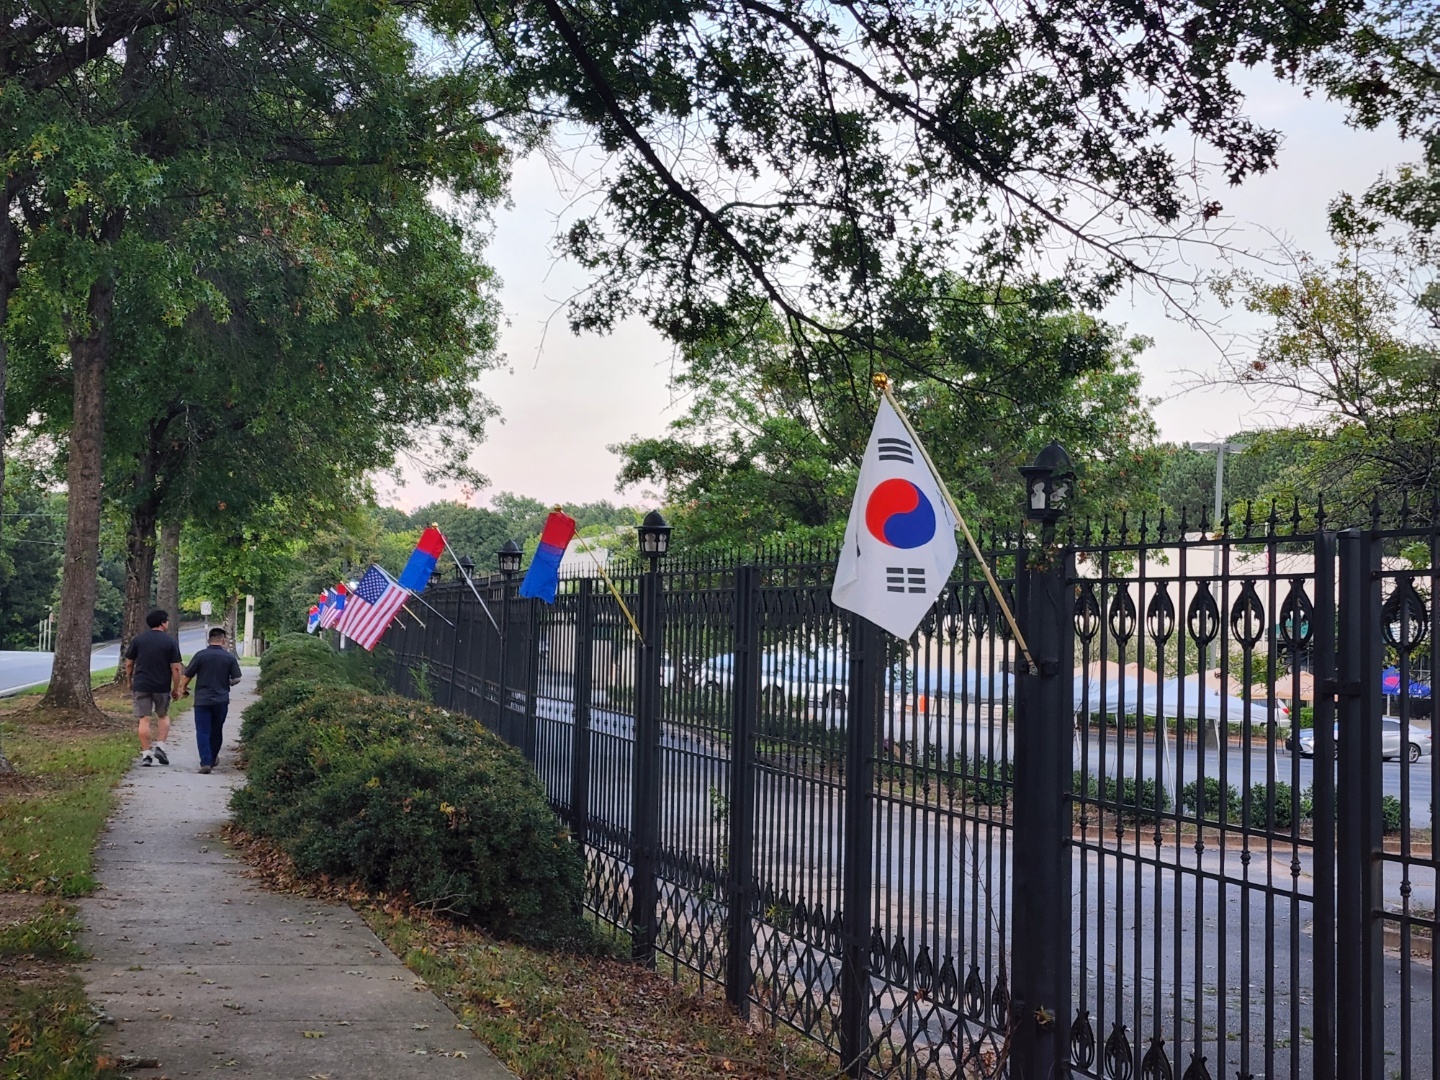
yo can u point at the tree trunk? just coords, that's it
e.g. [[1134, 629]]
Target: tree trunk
[[139, 573], [70, 675], [9, 280], [168, 594], [232, 613]]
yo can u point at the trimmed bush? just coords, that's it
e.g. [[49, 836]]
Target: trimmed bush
[[1260, 816], [1145, 799], [405, 798], [1214, 802], [1392, 813]]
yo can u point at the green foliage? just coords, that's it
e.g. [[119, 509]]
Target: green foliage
[[1145, 800], [1226, 809], [754, 148], [1283, 814], [769, 450], [1392, 813], [1342, 343], [405, 798]]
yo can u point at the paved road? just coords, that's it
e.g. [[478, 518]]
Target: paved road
[[20, 670]]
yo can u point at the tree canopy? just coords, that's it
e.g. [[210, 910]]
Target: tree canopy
[[767, 451]]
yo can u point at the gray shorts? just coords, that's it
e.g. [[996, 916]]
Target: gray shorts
[[145, 701]]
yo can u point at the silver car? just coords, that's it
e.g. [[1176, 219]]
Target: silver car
[[1416, 740]]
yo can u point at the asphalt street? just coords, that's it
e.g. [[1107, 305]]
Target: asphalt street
[[21, 670]]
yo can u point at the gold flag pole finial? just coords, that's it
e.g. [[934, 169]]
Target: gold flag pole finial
[[881, 381]]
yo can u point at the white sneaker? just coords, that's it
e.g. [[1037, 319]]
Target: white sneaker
[[146, 759], [159, 751]]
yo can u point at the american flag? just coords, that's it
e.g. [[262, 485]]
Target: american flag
[[333, 606], [370, 607]]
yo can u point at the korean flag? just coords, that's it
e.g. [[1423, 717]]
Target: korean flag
[[900, 541]]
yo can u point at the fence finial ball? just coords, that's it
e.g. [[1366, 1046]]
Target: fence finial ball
[[881, 381]]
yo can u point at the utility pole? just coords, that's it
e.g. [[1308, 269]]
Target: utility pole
[[1221, 449]]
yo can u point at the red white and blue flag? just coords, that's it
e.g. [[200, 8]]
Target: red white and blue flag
[[543, 577], [900, 540], [333, 607], [416, 574], [312, 619], [371, 606]]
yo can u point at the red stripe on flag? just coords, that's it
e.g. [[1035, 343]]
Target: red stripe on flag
[[431, 542], [559, 530]]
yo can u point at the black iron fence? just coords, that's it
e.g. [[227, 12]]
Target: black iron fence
[[1191, 842]]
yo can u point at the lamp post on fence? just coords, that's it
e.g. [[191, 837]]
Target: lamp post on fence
[[645, 778], [1044, 725]]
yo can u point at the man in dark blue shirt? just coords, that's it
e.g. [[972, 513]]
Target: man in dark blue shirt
[[215, 670]]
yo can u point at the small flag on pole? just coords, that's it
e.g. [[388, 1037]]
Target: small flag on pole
[[312, 621], [416, 574], [334, 608], [370, 608], [543, 577], [900, 540]]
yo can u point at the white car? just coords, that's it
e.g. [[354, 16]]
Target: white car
[[786, 675], [1416, 740]]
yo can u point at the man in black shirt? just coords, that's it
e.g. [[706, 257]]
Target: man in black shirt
[[152, 666], [215, 670]]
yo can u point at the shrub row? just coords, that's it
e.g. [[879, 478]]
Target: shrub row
[[403, 798]]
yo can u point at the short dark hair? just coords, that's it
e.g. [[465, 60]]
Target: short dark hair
[[155, 618], [217, 632]]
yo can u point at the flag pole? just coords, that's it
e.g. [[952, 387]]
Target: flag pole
[[445, 540], [882, 383], [618, 598], [414, 596]]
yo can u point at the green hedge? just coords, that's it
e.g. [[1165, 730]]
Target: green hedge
[[404, 798]]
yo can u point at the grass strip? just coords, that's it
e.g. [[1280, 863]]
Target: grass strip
[[558, 1016], [49, 823]]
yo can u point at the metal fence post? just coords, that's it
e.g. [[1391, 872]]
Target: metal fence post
[[1360, 958], [452, 699], [740, 861], [1323, 815], [867, 666], [645, 773], [580, 697], [1044, 727], [530, 670]]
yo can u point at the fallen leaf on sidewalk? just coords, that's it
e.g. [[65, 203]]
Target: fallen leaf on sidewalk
[[313, 1034]]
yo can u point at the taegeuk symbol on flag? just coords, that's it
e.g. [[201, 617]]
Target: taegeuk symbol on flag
[[900, 540]]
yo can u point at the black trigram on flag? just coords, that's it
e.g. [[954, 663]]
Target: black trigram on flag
[[905, 579], [896, 450]]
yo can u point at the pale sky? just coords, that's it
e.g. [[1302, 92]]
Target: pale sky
[[564, 399]]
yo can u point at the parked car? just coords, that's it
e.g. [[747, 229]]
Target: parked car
[[786, 675], [1393, 736]]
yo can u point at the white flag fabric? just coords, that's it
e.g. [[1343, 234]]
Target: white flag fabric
[[900, 541]]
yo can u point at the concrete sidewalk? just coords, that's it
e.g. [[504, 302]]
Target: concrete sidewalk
[[206, 973]]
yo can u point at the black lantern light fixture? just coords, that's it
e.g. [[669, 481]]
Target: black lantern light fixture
[[466, 567], [1049, 483], [654, 536], [509, 557]]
